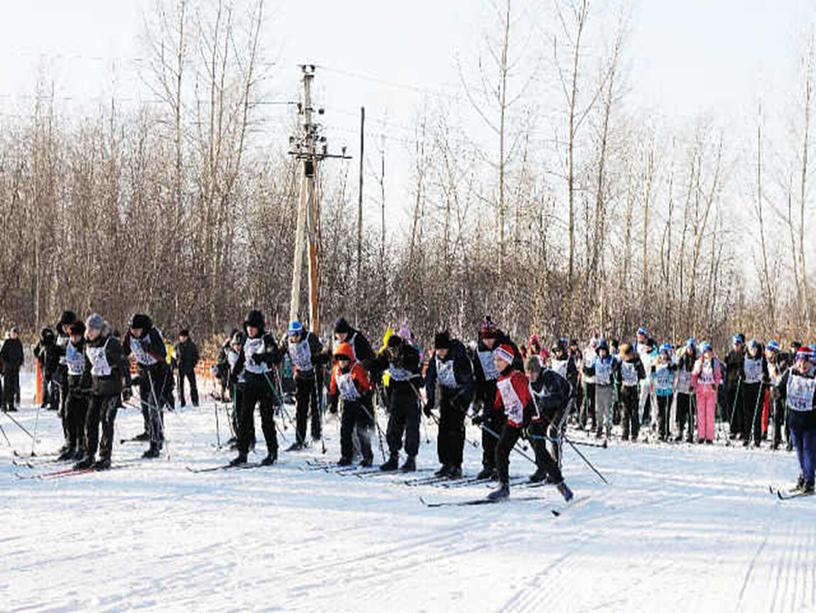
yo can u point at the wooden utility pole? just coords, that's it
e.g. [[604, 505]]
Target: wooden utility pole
[[309, 148], [360, 219]]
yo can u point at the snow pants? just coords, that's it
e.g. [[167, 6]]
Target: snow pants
[[706, 408], [751, 412], [76, 412], [450, 442], [685, 414], [804, 441], [508, 439], [11, 388], [403, 419], [152, 393], [306, 403], [190, 376], [603, 408], [540, 431], [588, 408], [663, 413], [357, 417], [102, 411], [257, 393], [630, 419]]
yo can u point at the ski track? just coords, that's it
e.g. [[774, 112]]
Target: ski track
[[680, 528]]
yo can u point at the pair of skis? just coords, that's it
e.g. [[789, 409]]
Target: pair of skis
[[65, 472], [788, 494], [557, 511]]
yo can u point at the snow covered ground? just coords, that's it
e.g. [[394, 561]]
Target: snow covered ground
[[679, 528]]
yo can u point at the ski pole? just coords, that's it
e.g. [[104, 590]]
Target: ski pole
[[583, 457], [754, 424], [319, 397], [19, 425], [515, 447], [217, 427], [5, 437], [373, 418], [36, 425]]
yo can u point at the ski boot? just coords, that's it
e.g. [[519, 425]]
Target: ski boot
[[367, 462], [409, 465], [502, 492], [442, 472], [488, 472], [151, 453], [344, 462], [538, 476], [454, 472], [808, 489], [144, 436], [270, 459], [102, 464], [565, 491], [296, 446], [69, 453], [85, 462], [240, 459], [391, 464]]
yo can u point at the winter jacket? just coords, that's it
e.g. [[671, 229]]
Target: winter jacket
[[734, 362], [304, 355], [485, 373], [754, 370], [149, 350], [798, 390], [705, 374], [187, 356], [630, 372], [362, 348], [104, 363], [258, 356], [664, 378], [551, 393], [11, 354], [514, 397], [47, 352], [604, 370], [404, 369], [567, 369], [351, 384], [454, 373], [75, 364]]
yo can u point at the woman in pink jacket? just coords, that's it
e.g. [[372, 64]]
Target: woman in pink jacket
[[706, 377]]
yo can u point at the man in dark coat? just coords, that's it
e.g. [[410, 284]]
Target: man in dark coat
[[12, 358], [187, 358]]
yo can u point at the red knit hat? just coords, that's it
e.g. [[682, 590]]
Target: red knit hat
[[505, 352]]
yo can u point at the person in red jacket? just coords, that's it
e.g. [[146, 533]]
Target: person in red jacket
[[350, 382], [514, 397]]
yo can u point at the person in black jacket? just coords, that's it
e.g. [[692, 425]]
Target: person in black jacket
[[145, 343], [684, 392], [305, 353], [344, 333], [258, 357], [76, 401], [48, 357], [12, 358], [449, 380], [797, 388], [401, 360], [755, 374], [187, 357], [734, 363], [67, 319], [551, 394], [632, 373], [486, 375], [103, 378]]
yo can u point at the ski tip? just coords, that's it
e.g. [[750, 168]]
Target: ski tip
[[555, 512]]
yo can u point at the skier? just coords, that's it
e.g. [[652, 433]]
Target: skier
[[350, 382], [187, 357], [631, 374], [588, 414], [344, 333], [777, 365], [449, 379], [12, 358], [706, 378], [401, 359], [664, 370], [48, 357], [103, 377], [486, 376], [564, 364], [67, 319], [304, 349], [755, 372], [734, 375], [144, 341], [797, 388], [258, 355], [603, 369], [514, 399], [551, 394], [227, 367], [76, 401], [647, 350], [685, 366]]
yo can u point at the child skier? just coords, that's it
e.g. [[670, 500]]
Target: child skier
[[706, 378], [349, 381], [664, 370], [631, 374]]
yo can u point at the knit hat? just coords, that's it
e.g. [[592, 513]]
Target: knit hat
[[67, 318], [505, 353], [94, 322], [773, 346], [706, 347], [442, 340], [691, 342], [76, 329], [642, 331], [239, 338], [344, 350], [295, 328], [341, 326], [738, 339], [184, 332], [602, 344], [487, 329], [533, 364], [139, 321], [804, 353], [254, 319], [665, 348]]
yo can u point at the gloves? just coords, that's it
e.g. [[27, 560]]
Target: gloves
[[127, 394], [477, 419], [428, 408]]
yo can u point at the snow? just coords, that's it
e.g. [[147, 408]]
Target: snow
[[679, 528]]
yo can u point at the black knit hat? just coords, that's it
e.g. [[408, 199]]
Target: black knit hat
[[76, 328], [184, 332], [394, 341], [140, 321], [255, 319], [341, 326], [67, 318], [442, 340]]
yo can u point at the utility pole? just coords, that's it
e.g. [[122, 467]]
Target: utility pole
[[360, 218], [309, 148]]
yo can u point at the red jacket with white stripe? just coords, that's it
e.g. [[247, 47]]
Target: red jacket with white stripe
[[513, 395]]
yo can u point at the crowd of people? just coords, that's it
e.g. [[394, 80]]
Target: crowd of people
[[654, 391]]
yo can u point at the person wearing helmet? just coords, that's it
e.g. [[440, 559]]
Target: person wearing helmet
[[513, 397], [631, 374], [350, 383], [604, 369], [755, 373], [485, 377], [304, 350], [400, 359], [684, 391], [259, 355], [106, 379], [797, 388], [664, 370], [449, 383], [706, 378], [551, 394], [734, 385], [777, 365], [145, 343]]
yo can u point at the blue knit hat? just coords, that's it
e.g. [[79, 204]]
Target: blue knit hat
[[295, 328]]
